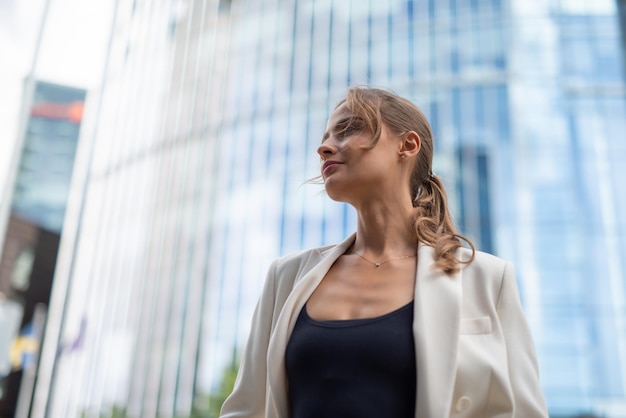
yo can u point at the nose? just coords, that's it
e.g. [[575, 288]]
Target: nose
[[326, 150]]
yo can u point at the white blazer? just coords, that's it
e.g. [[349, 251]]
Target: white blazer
[[474, 351]]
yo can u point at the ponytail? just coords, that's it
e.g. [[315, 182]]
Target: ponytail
[[434, 226]]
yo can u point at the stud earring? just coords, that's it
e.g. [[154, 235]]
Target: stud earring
[[402, 156]]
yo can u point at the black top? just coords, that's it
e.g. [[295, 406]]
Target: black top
[[361, 368]]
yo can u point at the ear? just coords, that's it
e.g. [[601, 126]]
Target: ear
[[410, 145]]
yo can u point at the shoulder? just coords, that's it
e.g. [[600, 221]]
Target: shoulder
[[486, 272], [483, 262], [297, 260], [286, 270]]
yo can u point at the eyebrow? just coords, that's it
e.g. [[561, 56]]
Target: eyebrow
[[343, 123]]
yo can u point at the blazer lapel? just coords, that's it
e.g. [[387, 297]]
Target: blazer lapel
[[302, 290], [436, 331]]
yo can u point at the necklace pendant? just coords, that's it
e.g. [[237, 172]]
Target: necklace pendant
[[377, 264]]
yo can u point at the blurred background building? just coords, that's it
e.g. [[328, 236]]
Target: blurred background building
[[31, 241], [194, 149]]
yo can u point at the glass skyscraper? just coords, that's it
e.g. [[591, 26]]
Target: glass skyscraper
[[195, 153]]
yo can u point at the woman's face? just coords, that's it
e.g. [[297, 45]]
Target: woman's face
[[350, 172]]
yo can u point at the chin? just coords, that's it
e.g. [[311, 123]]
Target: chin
[[337, 195], [332, 192]]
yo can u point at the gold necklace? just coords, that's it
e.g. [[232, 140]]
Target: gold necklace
[[377, 264]]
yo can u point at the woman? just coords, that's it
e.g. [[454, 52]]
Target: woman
[[399, 320]]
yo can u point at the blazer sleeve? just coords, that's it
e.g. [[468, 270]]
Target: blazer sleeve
[[249, 393], [522, 361]]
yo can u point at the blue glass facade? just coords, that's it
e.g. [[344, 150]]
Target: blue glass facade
[[47, 159], [210, 116]]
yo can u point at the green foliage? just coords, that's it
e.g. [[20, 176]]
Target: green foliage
[[208, 406], [217, 398], [116, 411]]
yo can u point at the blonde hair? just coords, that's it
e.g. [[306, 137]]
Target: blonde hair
[[433, 223]]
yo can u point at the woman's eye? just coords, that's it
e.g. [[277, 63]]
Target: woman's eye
[[348, 130]]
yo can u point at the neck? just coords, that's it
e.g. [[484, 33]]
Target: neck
[[385, 229]]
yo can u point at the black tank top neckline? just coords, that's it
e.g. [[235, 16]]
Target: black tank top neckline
[[353, 322]]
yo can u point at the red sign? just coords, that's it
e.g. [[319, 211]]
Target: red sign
[[72, 112]]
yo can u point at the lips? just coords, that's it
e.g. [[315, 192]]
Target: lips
[[329, 166]]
